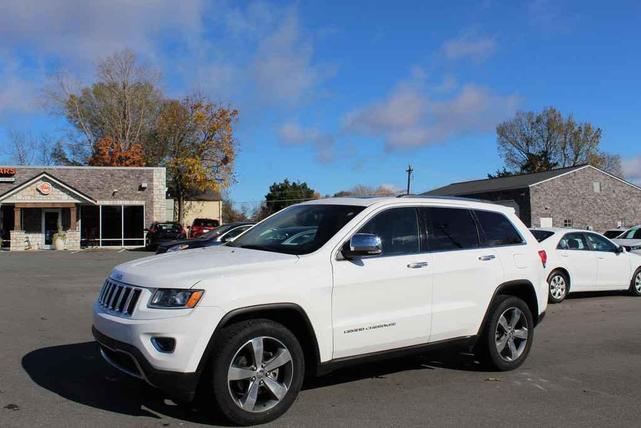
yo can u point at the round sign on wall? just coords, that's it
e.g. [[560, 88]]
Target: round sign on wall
[[44, 188]]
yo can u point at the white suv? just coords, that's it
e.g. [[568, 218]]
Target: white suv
[[364, 278]]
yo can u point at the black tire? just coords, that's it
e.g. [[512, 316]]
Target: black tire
[[487, 348], [556, 280], [235, 348], [635, 290]]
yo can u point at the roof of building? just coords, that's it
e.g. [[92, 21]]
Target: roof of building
[[207, 195], [519, 181], [97, 183]]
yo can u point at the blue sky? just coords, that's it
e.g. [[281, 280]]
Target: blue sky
[[339, 93]]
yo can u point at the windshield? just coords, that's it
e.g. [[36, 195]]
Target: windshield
[[632, 233], [300, 229], [216, 232]]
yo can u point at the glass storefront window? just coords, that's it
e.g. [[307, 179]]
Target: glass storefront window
[[89, 225], [120, 225], [32, 220], [134, 224]]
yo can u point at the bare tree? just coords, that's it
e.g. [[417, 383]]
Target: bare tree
[[25, 149], [122, 104], [533, 142]]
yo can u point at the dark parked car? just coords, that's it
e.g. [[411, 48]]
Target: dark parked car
[[201, 226], [158, 233], [218, 236]]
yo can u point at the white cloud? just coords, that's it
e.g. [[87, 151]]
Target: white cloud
[[86, 30], [632, 169], [470, 47], [283, 67], [18, 93], [293, 134], [410, 117], [252, 53]]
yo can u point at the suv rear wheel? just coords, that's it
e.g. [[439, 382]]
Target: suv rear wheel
[[257, 371], [506, 341]]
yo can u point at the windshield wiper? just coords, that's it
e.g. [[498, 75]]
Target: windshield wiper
[[257, 247]]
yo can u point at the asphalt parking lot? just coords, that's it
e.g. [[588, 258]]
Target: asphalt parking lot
[[584, 369]]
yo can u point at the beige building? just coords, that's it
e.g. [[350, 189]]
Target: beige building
[[205, 205]]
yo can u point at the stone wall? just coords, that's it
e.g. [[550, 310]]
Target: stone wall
[[17, 240], [573, 197], [73, 240]]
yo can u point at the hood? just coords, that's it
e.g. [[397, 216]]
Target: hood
[[184, 269], [167, 244]]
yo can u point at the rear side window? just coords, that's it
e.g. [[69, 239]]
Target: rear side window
[[206, 222], [541, 235], [573, 241], [497, 230], [398, 230], [450, 229]]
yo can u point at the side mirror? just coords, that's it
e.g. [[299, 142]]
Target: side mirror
[[362, 244], [620, 249]]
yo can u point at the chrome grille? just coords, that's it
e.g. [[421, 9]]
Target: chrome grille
[[118, 297]]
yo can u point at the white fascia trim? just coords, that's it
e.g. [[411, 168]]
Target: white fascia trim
[[557, 176], [50, 177], [593, 167]]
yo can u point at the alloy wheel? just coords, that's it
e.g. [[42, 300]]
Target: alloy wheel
[[511, 334], [260, 374], [637, 282], [558, 287]]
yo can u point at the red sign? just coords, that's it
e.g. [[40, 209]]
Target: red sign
[[44, 188], [7, 172]]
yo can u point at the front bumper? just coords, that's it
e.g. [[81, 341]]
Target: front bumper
[[128, 359]]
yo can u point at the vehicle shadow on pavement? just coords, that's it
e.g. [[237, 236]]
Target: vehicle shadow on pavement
[[78, 373], [432, 360]]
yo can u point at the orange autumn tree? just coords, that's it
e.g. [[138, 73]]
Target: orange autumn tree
[[109, 152], [198, 146]]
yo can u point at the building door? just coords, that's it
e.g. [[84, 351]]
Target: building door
[[50, 225]]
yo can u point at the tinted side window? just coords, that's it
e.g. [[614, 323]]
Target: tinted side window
[[497, 230], [637, 234], [450, 229], [573, 241], [599, 243], [398, 230], [541, 235]]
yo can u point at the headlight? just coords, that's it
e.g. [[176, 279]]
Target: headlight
[[174, 298], [178, 247]]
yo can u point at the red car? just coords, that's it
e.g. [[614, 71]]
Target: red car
[[202, 225]]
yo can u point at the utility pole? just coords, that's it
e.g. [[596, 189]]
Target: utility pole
[[409, 172]]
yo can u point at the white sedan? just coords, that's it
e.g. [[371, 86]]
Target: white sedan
[[580, 260], [630, 239]]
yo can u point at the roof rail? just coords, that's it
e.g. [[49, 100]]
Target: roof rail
[[446, 198]]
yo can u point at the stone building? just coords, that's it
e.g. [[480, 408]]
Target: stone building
[[582, 197], [93, 206]]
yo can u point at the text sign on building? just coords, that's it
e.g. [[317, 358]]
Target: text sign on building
[[7, 174]]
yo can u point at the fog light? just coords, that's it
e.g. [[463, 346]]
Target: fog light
[[164, 344]]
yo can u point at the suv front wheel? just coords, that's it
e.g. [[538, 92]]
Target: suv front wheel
[[507, 338], [258, 371]]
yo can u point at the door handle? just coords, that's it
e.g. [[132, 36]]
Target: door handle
[[487, 258], [417, 265]]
